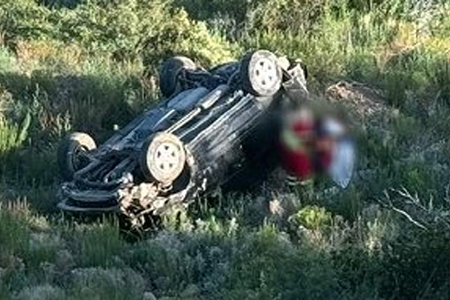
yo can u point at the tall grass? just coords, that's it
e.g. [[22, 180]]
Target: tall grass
[[68, 65]]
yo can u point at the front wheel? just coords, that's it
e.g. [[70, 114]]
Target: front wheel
[[72, 152], [163, 158]]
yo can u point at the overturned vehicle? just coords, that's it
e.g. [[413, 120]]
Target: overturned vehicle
[[215, 127]]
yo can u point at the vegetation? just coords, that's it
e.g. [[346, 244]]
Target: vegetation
[[88, 65]]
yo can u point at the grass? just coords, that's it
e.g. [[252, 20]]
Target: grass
[[69, 65]]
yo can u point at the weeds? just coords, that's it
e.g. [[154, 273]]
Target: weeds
[[76, 65]]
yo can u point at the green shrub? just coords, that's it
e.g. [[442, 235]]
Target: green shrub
[[112, 283], [123, 29], [312, 217], [79, 65], [14, 234], [98, 245], [268, 266]]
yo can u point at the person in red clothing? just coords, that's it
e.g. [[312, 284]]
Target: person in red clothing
[[297, 137], [312, 145]]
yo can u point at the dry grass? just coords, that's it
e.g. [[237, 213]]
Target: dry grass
[[386, 236]]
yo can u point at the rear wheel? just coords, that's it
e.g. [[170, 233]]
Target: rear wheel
[[260, 73], [72, 152], [169, 73]]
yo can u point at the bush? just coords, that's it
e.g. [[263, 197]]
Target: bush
[[123, 29], [88, 65]]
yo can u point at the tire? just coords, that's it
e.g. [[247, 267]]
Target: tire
[[169, 72], [163, 158], [69, 150], [260, 73]]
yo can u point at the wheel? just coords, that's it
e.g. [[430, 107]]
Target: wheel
[[169, 72], [70, 153], [163, 158], [260, 73]]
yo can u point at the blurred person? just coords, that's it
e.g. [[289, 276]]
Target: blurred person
[[312, 144]]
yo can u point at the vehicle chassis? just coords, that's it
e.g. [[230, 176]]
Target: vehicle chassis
[[207, 123]]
